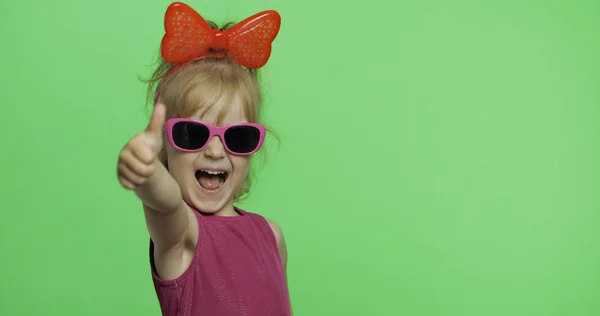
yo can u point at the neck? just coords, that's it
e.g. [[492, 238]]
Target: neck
[[228, 210]]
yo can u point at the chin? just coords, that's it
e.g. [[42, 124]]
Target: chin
[[210, 207], [208, 204], [213, 203]]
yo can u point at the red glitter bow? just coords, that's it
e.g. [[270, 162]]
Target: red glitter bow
[[188, 37]]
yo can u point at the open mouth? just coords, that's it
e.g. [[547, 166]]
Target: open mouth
[[211, 180]]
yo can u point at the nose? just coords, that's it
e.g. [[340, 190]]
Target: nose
[[215, 148]]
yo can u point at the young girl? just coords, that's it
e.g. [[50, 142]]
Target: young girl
[[191, 164]]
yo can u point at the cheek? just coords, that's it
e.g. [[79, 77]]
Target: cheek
[[241, 165], [179, 163]]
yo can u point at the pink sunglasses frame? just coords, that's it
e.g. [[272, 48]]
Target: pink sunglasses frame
[[213, 131]]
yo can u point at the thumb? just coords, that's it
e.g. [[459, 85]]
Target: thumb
[[157, 120]]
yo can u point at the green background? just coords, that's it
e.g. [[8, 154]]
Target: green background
[[436, 157]]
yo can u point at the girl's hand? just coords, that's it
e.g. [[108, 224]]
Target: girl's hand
[[139, 158]]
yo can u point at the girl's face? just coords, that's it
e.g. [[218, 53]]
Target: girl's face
[[209, 178]]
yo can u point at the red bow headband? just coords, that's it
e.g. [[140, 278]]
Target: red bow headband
[[189, 37]]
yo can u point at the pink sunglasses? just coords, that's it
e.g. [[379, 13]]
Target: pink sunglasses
[[190, 135]]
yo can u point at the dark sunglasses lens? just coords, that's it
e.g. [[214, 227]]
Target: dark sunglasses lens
[[242, 139], [188, 135]]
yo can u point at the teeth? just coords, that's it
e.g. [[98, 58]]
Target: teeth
[[213, 172]]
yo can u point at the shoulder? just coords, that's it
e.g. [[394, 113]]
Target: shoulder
[[272, 225], [276, 231], [280, 241]]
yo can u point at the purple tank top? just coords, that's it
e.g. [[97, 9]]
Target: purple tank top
[[236, 271]]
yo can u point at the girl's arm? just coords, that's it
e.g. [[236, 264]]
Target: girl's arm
[[168, 218], [171, 223]]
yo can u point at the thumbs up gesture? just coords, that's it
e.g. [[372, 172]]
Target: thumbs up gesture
[[138, 159]]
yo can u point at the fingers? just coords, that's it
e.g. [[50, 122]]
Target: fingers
[[138, 167], [126, 184], [157, 120], [143, 149], [131, 171], [128, 178], [137, 159]]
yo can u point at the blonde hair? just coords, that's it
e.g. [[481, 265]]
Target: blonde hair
[[200, 85]]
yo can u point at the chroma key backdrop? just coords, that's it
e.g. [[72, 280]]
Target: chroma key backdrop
[[433, 158]]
